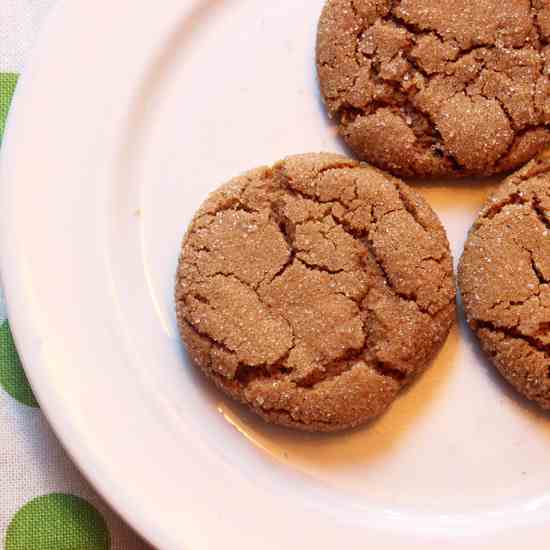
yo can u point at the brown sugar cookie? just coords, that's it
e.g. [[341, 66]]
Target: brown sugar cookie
[[438, 87], [504, 277], [313, 291]]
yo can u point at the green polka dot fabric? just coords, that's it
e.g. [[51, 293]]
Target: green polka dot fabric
[[12, 375], [58, 522], [45, 503], [8, 82]]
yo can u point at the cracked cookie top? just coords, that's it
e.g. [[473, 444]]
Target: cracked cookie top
[[504, 278], [438, 87], [314, 290]]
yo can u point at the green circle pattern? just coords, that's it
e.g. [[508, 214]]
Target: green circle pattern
[[8, 82], [12, 375], [58, 522]]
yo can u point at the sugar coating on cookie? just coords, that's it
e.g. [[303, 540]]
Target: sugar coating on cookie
[[312, 291], [504, 277], [438, 87]]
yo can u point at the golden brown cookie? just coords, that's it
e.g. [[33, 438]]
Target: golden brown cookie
[[313, 291], [438, 87], [504, 278]]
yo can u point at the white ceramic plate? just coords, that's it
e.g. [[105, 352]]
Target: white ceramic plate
[[130, 114]]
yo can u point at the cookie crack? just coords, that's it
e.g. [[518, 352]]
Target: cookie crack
[[536, 25], [410, 207], [347, 114], [228, 274], [428, 141], [237, 204], [352, 360], [366, 238], [414, 63], [254, 288], [358, 300], [282, 223], [332, 371], [338, 166], [513, 333], [201, 248], [534, 266], [358, 37], [540, 165], [537, 271], [246, 374], [281, 271], [517, 137], [417, 30], [291, 419], [540, 212], [515, 198], [438, 147], [412, 298], [519, 133], [212, 341], [518, 199], [318, 267], [389, 372], [508, 115], [509, 304], [412, 28], [293, 192], [402, 105]]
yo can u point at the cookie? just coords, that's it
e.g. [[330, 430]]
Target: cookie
[[504, 277], [438, 87], [313, 291]]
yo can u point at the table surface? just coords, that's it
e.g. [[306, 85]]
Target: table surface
[[45, 503]]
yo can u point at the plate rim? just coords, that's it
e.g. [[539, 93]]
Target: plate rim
[[16, 294]]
